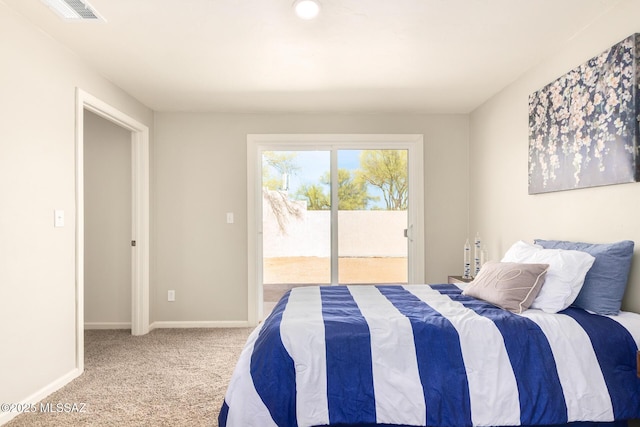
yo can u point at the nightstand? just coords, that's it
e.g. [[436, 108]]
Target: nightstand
[[457, 279]]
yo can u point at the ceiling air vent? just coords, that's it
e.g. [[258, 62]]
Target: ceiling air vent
[[73, 10]]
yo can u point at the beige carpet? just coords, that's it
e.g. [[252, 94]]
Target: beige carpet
[[169, 377]]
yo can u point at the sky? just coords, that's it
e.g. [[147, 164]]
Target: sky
[[314, 164]]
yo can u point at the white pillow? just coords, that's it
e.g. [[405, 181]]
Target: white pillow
[[567, 270]]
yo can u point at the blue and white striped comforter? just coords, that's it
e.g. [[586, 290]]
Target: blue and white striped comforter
[[426, 355]]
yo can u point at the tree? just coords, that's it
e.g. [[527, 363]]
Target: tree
[[387, 170], [275, 188], [317, 199], [352, 193], [283, 162], [282, 207]]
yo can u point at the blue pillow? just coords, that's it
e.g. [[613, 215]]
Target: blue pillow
[[606, 281]]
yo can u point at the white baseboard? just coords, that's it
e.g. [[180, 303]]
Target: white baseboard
[[45, 391], [201, 324], [172, 324], [107, 325]]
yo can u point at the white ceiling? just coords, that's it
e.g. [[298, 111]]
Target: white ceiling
[[428, 56]]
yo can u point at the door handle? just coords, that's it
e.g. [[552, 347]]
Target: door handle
[[406, 233]]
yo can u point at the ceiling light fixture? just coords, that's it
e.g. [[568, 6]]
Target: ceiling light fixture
[[306, 9], [73, 10]]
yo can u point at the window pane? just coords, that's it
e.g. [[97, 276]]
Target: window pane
[[372, 216], [296, 218]]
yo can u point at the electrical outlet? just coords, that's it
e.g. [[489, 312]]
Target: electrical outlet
[[171, 295]]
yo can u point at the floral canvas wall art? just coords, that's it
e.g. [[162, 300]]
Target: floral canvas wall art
[[584, 127]]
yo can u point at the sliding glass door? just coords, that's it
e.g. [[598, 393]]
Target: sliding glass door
[[341, 212], [296, 218], [368, 216]]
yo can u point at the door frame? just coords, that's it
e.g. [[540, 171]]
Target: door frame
[[256, 143], [139, 215]]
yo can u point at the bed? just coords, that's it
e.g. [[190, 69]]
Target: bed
[[432, 355]]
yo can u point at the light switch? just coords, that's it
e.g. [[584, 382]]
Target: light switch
[[58, 218], [229, 217]]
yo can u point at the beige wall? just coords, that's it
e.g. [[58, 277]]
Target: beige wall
[[200, 174], [38, 79], [107, 223], [501, 209]]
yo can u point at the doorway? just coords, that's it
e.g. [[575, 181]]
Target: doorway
[[334, 209], [139, 213], [107, 209]]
